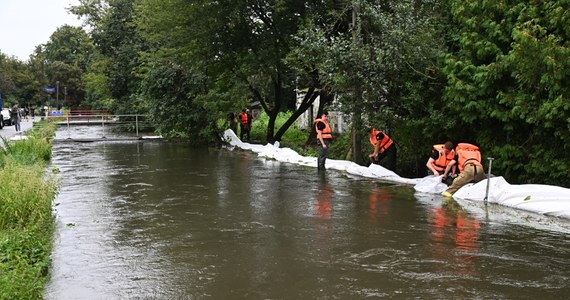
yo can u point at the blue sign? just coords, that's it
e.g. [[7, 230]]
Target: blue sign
[[49, 90]]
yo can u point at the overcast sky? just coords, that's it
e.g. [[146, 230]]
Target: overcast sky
[[25, 24]]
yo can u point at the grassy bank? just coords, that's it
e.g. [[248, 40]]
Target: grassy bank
[[26, 221]]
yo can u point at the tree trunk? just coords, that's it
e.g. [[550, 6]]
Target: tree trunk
[[307, 103], [356, 126], [357, 109]]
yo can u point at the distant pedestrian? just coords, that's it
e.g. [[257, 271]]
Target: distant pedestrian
[[16, 116]]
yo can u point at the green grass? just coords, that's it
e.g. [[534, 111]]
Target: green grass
[[293, 138], [26, 221]]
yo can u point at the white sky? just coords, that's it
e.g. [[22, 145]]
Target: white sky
[[25, 24]]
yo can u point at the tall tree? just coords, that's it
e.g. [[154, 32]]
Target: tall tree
[[119, 42], [174, 109], [375, 57], [63, 61], [17, 82], [507, 83], [240, 47]]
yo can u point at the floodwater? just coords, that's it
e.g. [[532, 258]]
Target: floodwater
[[158, 220]]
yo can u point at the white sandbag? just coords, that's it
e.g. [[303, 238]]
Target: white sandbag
[[543, 199], [431, 185]]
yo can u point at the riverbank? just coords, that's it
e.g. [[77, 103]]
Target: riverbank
[[26, 221]]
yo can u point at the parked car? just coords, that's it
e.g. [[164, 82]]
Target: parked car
[[6, 119]]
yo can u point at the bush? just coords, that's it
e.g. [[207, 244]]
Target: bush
[[293, 137], [26, 221]]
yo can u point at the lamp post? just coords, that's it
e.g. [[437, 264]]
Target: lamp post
[[57, 94]]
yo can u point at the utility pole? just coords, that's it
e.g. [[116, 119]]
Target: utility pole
[[357, 93], [57, 94]]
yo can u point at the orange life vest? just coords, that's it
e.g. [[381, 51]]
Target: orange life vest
[[384, 143], [441, 163], [467, 154], [243, 118], [325, 133]]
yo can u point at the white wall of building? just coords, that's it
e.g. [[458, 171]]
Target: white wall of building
[[338, 123]]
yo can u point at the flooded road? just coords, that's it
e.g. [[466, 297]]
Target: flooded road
[[154, 220]]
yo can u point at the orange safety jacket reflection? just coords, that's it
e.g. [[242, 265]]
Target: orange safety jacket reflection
[[243, 118], [384, 143], [466, 233], [327, 132], [441, 163], [467, 154]]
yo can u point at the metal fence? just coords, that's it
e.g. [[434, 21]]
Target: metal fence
[[134, 123]]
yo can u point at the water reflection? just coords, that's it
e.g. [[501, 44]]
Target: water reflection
[[453, 226], [451, 222], [323, 200], [379, 204]]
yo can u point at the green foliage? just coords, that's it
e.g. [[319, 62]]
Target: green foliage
[[507, 86], [341, 147], [117, 39], [381, 64], [34, 150], [239, 46], [292, 138], [71, 46], [18, 83], [65, 58], [26, 221], [98, 95], [172, 91], [25, 195], [24, 262]]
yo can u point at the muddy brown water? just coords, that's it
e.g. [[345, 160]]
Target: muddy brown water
[[158, 220]]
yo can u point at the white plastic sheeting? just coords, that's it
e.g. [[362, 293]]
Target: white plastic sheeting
[[290, 156], [542, 199]]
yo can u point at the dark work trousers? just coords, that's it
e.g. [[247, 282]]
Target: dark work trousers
[[323, 153], [388, 158], [244, 131]]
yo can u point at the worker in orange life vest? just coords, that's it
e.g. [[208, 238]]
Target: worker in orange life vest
[[468, 159], [384, 147], [243, 124], [324, 138], [441, 156]]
